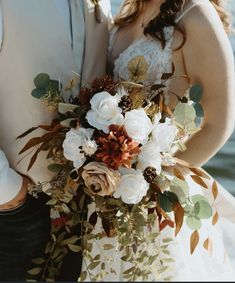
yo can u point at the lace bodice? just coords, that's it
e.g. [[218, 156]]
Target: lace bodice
[[159, 60]]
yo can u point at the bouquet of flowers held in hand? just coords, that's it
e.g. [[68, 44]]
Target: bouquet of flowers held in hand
[[111, 147]]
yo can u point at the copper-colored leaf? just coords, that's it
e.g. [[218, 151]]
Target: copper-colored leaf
[[165, 223], [199, 181], [31, 143], [214, 190], [34, 157], [27, 132], [179, 218], [208, 245], [194, 240], [199, 173], [178, 174], [215, 218]]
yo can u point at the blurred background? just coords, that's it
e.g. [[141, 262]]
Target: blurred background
[[222, 165]]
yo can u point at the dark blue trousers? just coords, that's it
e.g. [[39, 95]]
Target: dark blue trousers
[[24, 233]]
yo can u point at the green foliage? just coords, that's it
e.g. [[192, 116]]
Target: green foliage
[[180, 188], [184, 113], [167, 201], [193, 222], [195, 93], [41, 81], [199, 110]]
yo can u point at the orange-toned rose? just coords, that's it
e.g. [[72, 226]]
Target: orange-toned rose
[[116, 148]]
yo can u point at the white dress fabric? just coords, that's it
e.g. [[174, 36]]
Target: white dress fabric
[[217, 264]]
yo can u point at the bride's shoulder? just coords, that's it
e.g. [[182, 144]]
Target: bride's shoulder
[[199, 14]]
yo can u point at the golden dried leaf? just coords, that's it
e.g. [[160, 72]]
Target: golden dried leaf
[[199, 181], [215, 218], [179, 218], [215, 190], [138, 68], [199, 173], [194, 240], [178, 174], [208, 245], [137, 97]]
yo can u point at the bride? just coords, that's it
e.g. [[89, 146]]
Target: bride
[[191, 35]]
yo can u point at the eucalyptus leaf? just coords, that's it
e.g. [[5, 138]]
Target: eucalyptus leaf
[[196, 198], [55, 85], [38, 93], [42, 80], [180, 188], [184, 113], [193, 222], [203, 209], [199, 110], [167, 201], [195, 93]]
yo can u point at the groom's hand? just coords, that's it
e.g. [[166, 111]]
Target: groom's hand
[[20, 198]]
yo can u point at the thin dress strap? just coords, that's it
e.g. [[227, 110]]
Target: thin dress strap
[[180, 17]]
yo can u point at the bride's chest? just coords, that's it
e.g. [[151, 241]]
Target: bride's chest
[[133, 51]]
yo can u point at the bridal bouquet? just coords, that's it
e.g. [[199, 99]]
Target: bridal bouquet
[[112, 149]]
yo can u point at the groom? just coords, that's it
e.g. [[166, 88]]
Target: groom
[[57, 37]]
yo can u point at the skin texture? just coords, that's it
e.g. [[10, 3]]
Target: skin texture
[[19, 199], [206, 58]]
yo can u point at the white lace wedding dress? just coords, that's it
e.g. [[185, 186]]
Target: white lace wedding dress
[[217, 264]]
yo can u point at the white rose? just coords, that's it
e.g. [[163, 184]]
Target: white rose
[[138, 125], [132, 187], [150, 156], [164, 134], [73, 145], [104, 111]]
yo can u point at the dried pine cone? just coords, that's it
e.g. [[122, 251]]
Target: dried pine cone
[[150, 174], [105, 83], [125, 104]]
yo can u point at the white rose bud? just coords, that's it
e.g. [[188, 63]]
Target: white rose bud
[[133, 187], [138, 125], [104, 111]]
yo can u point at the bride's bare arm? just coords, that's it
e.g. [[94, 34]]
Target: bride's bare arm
[[209, 61]]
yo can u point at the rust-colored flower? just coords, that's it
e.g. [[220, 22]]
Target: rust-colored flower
[[116, 148]]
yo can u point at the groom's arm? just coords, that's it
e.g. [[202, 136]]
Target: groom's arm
[[13, 187]]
